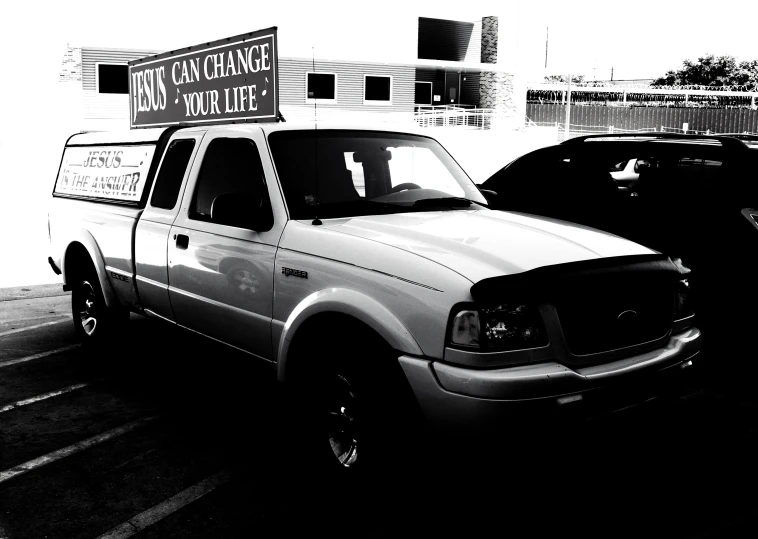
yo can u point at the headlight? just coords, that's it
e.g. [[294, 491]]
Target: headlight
[[684, 315], [505, 327], [683, 304]]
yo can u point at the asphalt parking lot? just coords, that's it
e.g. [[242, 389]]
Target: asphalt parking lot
[[172, 435]]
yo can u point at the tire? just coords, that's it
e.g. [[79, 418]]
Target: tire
[[94, 322], [356, 414]]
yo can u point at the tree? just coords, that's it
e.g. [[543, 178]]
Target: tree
[[711, 70], [561, 79]]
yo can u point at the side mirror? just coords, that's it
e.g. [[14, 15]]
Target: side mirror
[[642, 164], [242, 210], [490, 195]]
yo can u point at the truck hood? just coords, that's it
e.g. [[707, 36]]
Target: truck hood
[[479, 244]]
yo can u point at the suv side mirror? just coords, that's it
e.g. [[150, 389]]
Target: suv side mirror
[[242, 210], [642, 164]]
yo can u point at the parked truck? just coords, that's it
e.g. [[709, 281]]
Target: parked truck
[[366, 268]]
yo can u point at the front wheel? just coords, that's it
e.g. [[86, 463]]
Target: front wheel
[[357, 411]]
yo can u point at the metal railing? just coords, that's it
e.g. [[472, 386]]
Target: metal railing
[[462, 116]]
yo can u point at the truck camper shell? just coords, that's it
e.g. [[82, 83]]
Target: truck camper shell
[[156, 138]]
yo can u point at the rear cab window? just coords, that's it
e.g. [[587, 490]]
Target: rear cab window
[[171, 174]]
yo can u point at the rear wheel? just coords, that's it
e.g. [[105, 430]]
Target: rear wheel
[[94, 321]]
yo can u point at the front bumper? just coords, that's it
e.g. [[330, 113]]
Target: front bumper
[[454, 398]]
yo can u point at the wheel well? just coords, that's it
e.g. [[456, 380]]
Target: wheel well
[[355, 334], [350, 332], [76, 262]]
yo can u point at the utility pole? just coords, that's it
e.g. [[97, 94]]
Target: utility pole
[[568, 109], [547, 34]]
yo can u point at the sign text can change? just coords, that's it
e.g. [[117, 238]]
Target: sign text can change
[[233, 79]]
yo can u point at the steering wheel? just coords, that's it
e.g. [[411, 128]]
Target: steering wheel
[[403, 187]]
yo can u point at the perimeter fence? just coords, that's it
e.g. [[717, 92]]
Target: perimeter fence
[[600, 119]]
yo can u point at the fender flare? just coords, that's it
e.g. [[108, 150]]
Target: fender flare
[[351, 303], [85, 238]]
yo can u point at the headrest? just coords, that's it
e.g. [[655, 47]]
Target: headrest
[[373, 155]]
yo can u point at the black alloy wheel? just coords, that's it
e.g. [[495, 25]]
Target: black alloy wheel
[[86, 308], [343, 421]]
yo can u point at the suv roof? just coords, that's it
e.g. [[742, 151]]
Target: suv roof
[[727, 141]]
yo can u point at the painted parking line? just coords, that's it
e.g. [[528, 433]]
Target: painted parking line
[[37, 356], [38, 317], [158, 512], [72, 449], [18, 404], [27, 328]]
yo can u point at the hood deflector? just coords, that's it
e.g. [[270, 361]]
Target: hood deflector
[[545, 281]]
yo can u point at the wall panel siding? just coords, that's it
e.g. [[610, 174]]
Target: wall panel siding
[[474, 50], [292, 98], [105, 106], [349, 87]]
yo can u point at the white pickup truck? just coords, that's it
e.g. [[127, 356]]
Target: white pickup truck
[[365, 266]]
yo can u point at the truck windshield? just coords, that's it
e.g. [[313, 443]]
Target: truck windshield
[[343, 173]]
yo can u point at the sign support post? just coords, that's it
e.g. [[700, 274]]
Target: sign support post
[[568, 109]]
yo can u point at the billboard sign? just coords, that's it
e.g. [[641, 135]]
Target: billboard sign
[[229, 80]]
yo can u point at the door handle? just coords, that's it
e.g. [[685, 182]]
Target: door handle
[[182, 241]]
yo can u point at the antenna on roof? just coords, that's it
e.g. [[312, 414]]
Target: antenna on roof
[[313, 62]]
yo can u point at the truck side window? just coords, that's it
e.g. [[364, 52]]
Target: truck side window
[[231, 167], [170, 177]]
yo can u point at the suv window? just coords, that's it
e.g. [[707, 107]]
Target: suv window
[[172, 171], [619, 166], [230, 166], [698, 169]]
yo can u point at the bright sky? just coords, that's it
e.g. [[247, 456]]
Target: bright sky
[[642, 38], [639, 39]]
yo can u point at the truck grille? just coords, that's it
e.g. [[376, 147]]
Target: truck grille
[[615, 312]]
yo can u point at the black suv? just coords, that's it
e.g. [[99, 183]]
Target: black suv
[[688, 196]]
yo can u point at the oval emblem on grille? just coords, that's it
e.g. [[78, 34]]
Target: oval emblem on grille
[[627, 319]]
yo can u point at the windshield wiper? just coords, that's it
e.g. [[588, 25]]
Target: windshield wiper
[[353, 208], [443, 202]]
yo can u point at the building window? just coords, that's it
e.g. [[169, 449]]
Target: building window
[[321, 87], [423, 93], [377, 89], [112, 78]]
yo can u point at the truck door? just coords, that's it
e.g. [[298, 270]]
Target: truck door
[[152, 233], [221, 263]]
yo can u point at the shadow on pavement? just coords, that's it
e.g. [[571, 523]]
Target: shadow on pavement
[[675, 468]]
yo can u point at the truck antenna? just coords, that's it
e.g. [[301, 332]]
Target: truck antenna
[[316, 221]]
